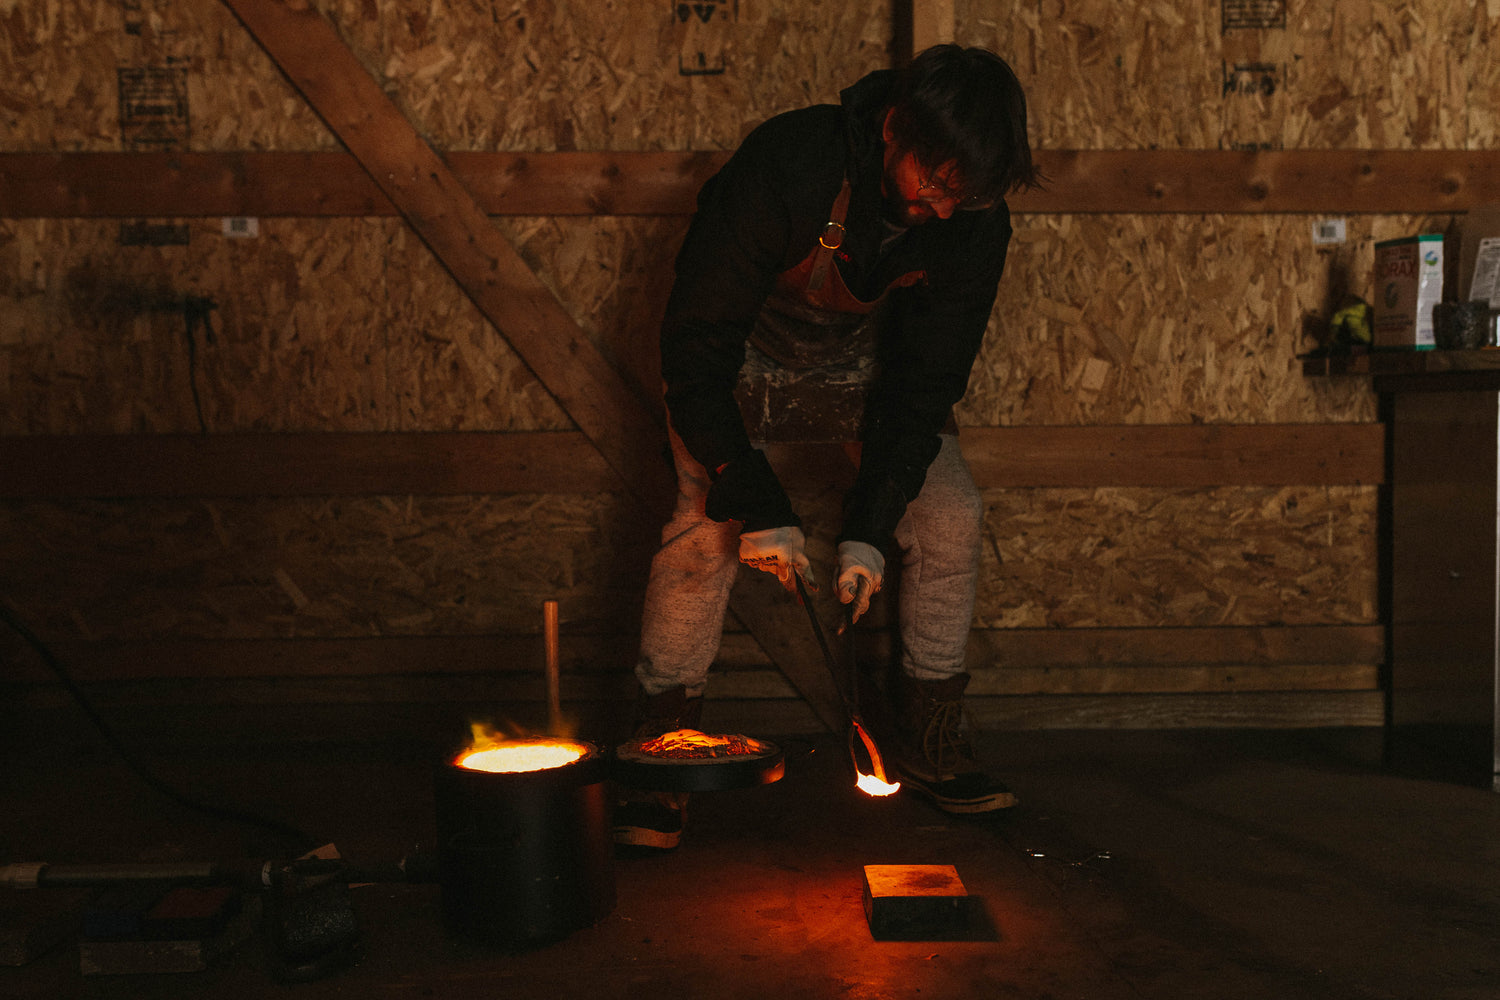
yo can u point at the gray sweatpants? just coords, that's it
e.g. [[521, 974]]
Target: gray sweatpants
[[694, 570]]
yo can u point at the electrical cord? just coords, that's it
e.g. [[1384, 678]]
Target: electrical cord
[[301, 841], [197, 311]]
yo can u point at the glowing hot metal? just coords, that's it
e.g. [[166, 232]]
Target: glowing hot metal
[[872, 782], [869, 779], [522, 755]]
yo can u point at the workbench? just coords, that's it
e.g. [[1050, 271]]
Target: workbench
[[1441, 409]]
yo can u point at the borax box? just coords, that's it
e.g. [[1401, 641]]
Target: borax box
[[1408, 284]]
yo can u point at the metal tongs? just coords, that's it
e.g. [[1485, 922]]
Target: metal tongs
[[861, 744]]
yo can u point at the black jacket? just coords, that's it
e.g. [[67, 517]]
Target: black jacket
[[761, 215]]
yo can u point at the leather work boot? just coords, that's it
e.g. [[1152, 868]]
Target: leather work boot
[[932, 756], [649, 819]]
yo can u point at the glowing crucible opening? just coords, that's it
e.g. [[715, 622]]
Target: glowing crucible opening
[[521, 755]]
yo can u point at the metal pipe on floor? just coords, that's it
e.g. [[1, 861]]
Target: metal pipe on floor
[[41, 875]]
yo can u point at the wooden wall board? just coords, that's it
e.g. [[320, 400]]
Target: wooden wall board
[[537, 76], [351, 566], [1220, 657], [1121, 557], [321, 568], [345, 325], [1219, 646], [447, 463], [1125, 320], [1345, 74], [606, 407], [1169, 680], [172, 724], [527, 690], [590, 659], [1176, 455], [1136, 182], [1259, 710], [349, 325]]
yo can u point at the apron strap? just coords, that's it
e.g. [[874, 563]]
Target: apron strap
[[831, 239]]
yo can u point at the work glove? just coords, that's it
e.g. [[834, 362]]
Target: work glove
[[778, 551], [861, 573]]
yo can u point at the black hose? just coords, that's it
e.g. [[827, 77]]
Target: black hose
[[301, 840]]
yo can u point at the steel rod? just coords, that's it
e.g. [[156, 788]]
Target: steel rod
[[554, 680]]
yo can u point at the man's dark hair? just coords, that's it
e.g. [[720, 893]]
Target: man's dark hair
[[965, 105]]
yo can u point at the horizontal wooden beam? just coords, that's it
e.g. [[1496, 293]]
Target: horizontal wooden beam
[[427, 687], [1132, 182], [1213, 646], [314, 185], [1207, 710], [1004, 661], [1378, 182], [457, 463], [170, 726], [1177, 455], [768, 684]]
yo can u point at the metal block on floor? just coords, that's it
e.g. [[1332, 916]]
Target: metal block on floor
[[916, 903]]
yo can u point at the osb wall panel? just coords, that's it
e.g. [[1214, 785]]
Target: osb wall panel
[[237, 569], [607, 75], [226, 569], [1333, 74], [1142, 557], [510, 76], [352, 325], [1330, 74], [343, 324], [1171, 319]]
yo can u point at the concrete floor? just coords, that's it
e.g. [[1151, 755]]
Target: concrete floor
[[1224, 865]]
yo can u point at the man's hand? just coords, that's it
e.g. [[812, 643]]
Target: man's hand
[[778, 551], [861, 573]]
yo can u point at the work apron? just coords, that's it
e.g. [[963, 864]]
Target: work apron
[[812, 355]]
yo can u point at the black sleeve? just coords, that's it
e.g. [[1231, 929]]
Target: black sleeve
[[755, 219], [935, 337]]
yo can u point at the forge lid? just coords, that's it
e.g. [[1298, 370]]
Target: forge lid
[[665, 765]]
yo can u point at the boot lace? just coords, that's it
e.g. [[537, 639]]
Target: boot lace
[[943, 742]]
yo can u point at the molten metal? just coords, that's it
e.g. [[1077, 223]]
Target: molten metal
[[871, 785], [527, 755], [873, 782], [696, 743]]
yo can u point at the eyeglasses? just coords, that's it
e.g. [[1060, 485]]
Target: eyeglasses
[[940, 193]]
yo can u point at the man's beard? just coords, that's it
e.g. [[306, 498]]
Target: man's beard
[[907, 213]]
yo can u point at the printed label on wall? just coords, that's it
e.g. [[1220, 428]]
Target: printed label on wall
[[1254, 14], [703, 35], [153, 108], [1252, 79]]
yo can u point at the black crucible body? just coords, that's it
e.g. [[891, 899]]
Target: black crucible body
[[526, 857]]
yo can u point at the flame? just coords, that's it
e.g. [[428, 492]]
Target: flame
[[521, 755], [871, 785]]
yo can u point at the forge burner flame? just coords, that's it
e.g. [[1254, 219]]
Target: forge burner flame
[[521, 755]]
